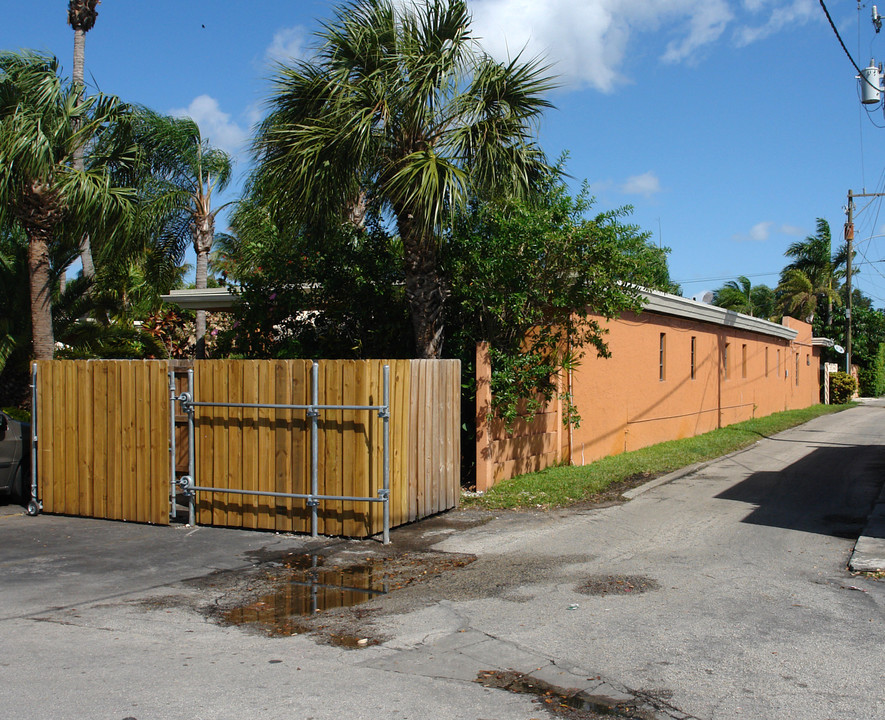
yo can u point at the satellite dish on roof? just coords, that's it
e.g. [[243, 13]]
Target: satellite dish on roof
[[839, 349]]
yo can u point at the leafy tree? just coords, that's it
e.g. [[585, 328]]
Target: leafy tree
[[41, 125], [400, 111], [304, 294], [524, 277], [82, 15]]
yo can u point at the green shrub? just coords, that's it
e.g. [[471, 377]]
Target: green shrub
[[872, 378], [842, 387]]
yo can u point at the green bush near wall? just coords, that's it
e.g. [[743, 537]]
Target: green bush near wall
[[872, 378], [842, 388]]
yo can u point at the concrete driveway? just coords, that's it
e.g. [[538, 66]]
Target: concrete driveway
[[722, 594]]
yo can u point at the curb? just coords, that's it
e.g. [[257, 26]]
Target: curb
[[681, 473], [869, 550]]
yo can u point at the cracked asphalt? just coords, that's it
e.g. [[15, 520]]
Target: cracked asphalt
[[722, 594]]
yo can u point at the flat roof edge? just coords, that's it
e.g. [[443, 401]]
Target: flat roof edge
[[666, 304], [222, 298]]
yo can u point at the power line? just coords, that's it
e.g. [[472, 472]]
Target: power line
[[847, 53]]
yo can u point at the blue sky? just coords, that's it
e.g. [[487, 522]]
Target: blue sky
[[728, 126]]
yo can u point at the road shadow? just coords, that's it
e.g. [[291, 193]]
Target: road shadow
[[830, 491]]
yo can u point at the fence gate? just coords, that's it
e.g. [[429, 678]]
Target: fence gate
[[101, 436], [256, 431]]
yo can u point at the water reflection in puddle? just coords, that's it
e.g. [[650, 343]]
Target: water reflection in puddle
[[305, 587]]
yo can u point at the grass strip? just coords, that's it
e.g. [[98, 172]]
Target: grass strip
[[568, 484]]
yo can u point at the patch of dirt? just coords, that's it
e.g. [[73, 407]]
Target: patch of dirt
[[562, 702], [613, 494], [617, 585]]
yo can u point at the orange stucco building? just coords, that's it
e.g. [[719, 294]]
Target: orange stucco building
[[677, 369]]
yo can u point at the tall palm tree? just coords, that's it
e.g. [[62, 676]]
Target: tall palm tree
[[82, 15], [41, 124], [401, 108], [815, 259], [180, 172]]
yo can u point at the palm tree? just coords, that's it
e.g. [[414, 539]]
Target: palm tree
[[814, 258], [742, 296], [81, 17], [797, 294], [179, 173], [735, 295], [402, 111], [41, 125]]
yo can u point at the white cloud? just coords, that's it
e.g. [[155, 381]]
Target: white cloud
[[792, 230], [590, 42], [798, 12], [762, 231], [288, 44], [216, 126], [646, 184]]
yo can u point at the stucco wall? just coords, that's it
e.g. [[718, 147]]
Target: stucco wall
[[626, 404]]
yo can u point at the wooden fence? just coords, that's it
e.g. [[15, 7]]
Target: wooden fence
[[119, 460], [103, 439]]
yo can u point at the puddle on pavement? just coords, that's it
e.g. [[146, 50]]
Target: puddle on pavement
[[303, 587], [569, 703]]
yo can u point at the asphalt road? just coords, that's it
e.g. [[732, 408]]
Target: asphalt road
[[722, 594]]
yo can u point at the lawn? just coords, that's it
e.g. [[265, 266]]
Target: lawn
[[609, 477]]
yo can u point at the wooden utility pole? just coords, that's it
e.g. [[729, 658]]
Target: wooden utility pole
[[849, 237]]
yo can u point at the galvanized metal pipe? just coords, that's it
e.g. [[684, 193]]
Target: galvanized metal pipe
[[35, 504], [269, 493], [192, 450], [172, 449], [386, 450], [275, 406], [314, 447]]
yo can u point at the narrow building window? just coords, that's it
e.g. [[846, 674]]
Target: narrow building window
[[778, 362], [725, 360], [797, 368], [766, 361], [744, 360], [663, 357], [694, 359]]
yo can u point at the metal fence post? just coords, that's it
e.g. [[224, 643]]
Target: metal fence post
[[314, 448], [191, 447], [172, 449], [386, 450], [34, 505]]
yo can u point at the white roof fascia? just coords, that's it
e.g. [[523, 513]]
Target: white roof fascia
[[203, 299], [666, 304]]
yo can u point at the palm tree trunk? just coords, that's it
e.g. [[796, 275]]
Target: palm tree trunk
[[425, 290], [202, 275], [41, 297], [203, 230], [78, 73]]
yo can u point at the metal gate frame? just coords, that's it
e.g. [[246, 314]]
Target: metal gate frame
[[188, 483]]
